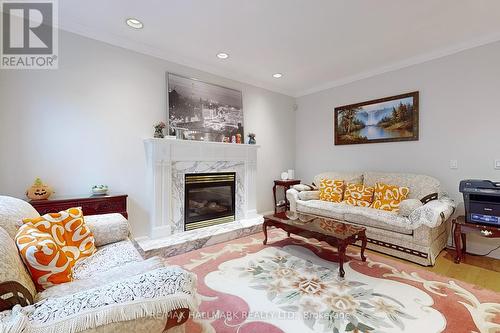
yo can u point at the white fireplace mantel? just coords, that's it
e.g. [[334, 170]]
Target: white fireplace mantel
[[168, 160]]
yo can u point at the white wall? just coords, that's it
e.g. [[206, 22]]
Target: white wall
[[84, 123], [459, 119]]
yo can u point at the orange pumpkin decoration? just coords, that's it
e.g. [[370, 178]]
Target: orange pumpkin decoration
[[39, 191]]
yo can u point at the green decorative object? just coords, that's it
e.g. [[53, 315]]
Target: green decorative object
[[99, 189]]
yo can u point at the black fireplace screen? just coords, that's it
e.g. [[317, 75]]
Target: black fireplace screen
[[209, 199]]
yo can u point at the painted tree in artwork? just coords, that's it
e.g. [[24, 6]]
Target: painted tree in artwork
[[402, 117], [349, 122], [347, 119]]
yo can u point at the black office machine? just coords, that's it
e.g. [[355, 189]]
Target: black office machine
[[482, 201]]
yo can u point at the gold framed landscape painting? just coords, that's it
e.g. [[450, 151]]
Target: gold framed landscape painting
[[387, 119]]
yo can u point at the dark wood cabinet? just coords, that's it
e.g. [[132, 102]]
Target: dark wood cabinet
[[91, 205]]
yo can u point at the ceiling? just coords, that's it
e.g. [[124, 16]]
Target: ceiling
[[316, 44]]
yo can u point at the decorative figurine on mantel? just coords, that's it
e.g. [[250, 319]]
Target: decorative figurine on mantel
[[159, 130], [251, 139], [39, 191]]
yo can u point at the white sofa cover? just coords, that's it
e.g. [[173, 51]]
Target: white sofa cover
[[113, 290], [417, 234]]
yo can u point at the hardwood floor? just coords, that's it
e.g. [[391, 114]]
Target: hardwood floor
[[481, 271]]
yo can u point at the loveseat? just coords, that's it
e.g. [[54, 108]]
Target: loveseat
[[418, 232], [113, 290]]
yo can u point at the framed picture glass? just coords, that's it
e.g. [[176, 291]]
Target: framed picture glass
[[203, 111]]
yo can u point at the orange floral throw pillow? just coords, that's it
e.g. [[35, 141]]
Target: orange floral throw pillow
[[69, 232], [388, 197], [331, 190], [47, 263], [358, 195]]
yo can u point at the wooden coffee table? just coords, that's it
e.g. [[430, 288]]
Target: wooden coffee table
[[331, 231]]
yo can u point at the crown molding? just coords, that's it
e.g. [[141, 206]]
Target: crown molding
[[175, 57], [441, 53], [165, 55]]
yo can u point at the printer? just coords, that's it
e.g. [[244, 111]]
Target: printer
[[482, 201]]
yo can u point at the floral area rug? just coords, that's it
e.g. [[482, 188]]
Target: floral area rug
[[292, 285]]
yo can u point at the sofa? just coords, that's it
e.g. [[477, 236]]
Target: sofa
[[417, 232], [113, 290]]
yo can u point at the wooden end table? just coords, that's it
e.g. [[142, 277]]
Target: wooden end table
[[331, 231], [91, 204], [460, 230], [285, 184]]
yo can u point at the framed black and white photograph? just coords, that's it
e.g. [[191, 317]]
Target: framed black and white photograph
[[203, 111]]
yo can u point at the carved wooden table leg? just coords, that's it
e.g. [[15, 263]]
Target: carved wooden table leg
[[464, 244], [176, 318], [363, 245], [341, 250], [457, 235], [274, 196], [264, 229]]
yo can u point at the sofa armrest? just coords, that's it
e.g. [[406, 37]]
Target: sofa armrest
[[429, 197], [150, 295], [433, 213], [407, 206], [292, 195], [309, 195], [108, 228], [304, 187]]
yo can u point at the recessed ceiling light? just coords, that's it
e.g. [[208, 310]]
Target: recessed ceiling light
[[277, 75], [222, 55], [134, 23]]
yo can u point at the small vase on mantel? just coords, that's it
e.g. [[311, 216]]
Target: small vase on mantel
[[251, 139]]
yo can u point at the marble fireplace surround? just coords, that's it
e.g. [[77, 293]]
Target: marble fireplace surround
[[180, 169], [168, 160]]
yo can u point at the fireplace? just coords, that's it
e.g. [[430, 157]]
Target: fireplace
[[209, 199]]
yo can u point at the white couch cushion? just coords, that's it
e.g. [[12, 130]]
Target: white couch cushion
[[380, 219], [112, 275], [108, 228], [323, 208], [348, 177], [359, 215], [419, 185], [106, 258]]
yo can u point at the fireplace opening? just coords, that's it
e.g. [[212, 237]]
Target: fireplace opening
[[209, 199]]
